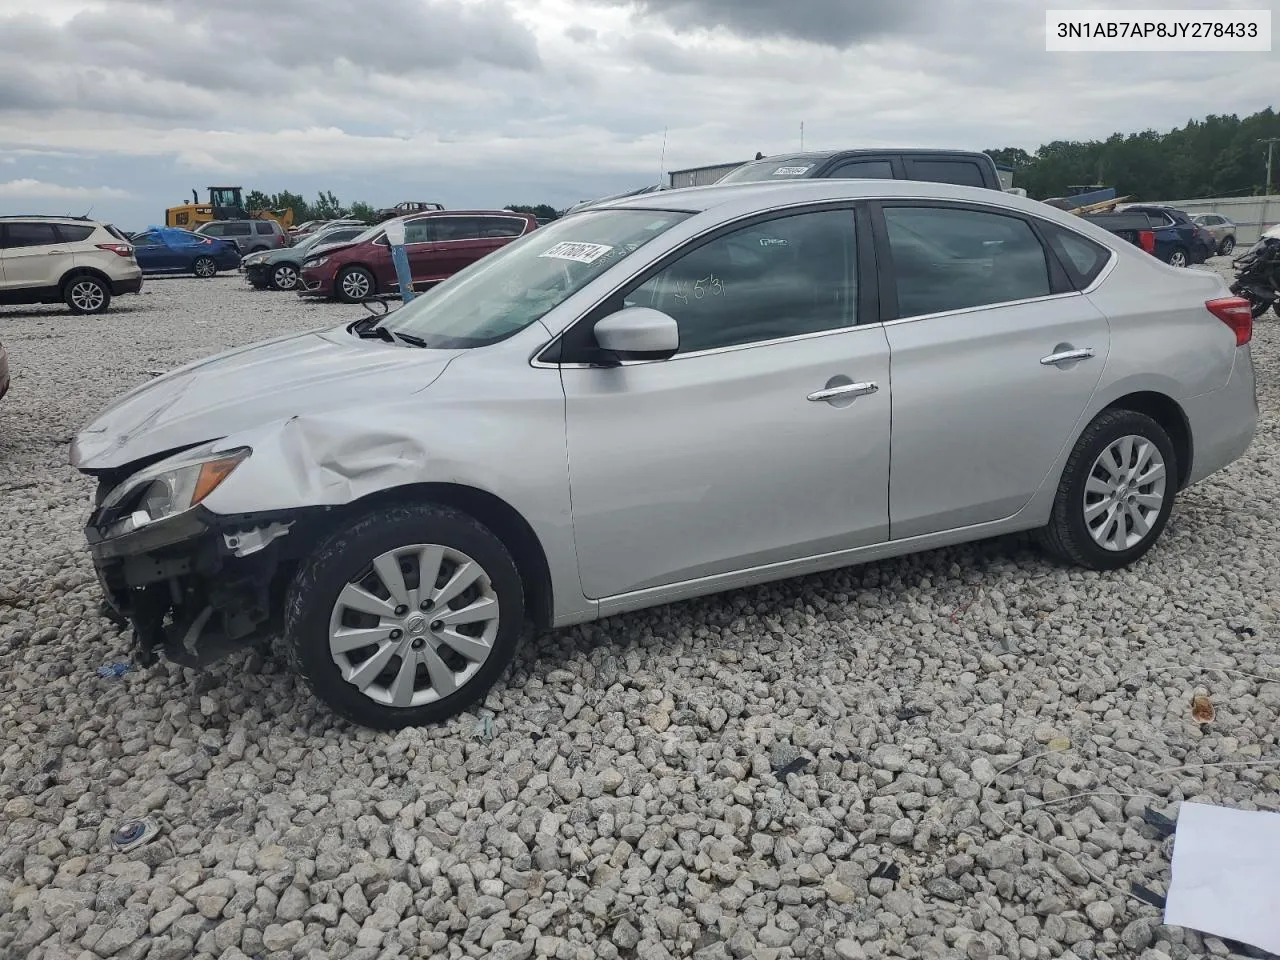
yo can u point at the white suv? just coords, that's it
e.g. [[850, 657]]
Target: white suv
[[79, 262]]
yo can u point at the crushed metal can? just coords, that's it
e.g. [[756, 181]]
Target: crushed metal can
[[134, 833]]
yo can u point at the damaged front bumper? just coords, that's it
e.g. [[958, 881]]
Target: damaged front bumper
[[196, 586]]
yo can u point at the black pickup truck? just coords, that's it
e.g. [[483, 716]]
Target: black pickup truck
[[1134, 227]]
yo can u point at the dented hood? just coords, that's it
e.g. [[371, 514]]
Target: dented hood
[[306, 373]]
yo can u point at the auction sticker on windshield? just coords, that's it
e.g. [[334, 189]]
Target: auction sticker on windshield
[[792, 171], [577, 251]]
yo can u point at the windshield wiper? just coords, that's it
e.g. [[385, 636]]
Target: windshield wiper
[[408, 338]]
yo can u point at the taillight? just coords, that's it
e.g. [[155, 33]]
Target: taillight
[[1236, 313], [119, 249], [1147, 240]]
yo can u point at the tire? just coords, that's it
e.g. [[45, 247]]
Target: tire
[[1179, 257], [316, 616], [204, 267], [86, 294], [1258, 307], [1228, 244], [354, 285], [1068, 535], [285, 276]]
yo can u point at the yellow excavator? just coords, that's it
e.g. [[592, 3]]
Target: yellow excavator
[[225, 203]]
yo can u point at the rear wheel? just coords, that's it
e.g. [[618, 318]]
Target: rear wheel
[[405, 617], [285, 277], [204, 267], [1228, 244], [1178, 258], [355, 284], [1116, 492], [85, 294]]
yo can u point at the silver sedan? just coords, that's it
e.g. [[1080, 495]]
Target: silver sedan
[[660, 397]]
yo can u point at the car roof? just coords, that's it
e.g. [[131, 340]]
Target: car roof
[[749, 197], [67, 218]]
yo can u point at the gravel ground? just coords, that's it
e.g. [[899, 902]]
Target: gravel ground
[[942, 756]]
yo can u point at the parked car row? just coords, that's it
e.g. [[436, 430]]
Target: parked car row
[[353, 264]]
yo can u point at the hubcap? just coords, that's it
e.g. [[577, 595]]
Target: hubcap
[[204, 268], [355, 285], [1178, 259], [87, 295], [1124, 493], [393, 654], [286, 277]]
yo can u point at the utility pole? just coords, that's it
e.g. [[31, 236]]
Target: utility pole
[[1270, 142], [801, 134]]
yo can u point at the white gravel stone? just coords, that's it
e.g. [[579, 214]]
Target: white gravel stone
[[630, 796]]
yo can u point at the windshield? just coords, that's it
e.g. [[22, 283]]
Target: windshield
[[775, 168], [502, 294], [369, 234]]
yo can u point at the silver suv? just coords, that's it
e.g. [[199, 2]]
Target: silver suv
[[657, 398], [79, 262], [249, 235]]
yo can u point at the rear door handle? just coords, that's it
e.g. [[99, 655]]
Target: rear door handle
[[844, 390], [1067, 356]]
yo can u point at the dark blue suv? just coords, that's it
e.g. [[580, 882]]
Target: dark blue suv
[[1179, 242]]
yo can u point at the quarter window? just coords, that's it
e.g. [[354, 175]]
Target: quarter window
[[74, 232], [946, 171], [1082, 257], [779, 278], [30, 235], [948, 258]]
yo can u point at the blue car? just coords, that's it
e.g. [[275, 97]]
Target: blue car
[[1179, 241], [172, 250]]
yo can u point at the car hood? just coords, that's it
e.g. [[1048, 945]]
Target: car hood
[[251, 386]]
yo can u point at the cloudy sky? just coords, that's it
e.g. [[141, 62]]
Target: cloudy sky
[[125, 105]]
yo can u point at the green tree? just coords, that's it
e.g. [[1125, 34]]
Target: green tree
[[327, 207], [543, 211], [362, 211]]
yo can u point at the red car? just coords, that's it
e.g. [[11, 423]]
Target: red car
[[439, 244]]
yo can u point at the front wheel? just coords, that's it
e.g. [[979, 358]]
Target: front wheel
[[405, 617], [87, 295], [1228, 244], [1178, 258], [1116, 492], [204, 267], [354, 285], [285, 277]]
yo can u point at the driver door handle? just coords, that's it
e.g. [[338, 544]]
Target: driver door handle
[[844, 390], [1067, 356]]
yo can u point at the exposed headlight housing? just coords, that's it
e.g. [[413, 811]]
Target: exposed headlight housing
[[315, 263], [170, 487]]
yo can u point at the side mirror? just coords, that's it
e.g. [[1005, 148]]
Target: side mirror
[[637, 333]]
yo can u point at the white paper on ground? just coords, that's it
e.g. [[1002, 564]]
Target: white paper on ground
[[1226, 874]]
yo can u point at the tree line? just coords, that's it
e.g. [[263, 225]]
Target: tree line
[[1219, 156], [328, 207]]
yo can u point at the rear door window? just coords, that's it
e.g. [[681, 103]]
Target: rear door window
[[236, 230], [964, 172], [19, 234], [500, 227], [952, 258], [459, 228], [265, 229], [863, 170]]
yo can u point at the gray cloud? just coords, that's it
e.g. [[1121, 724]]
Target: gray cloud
[[838, 23]]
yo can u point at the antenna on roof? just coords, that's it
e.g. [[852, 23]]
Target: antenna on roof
[[662, 162]]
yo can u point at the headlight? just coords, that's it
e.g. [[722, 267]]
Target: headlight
[[255, 258], [315, 263], [170, 487]]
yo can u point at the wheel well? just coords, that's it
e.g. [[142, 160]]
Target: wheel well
[[500, 517], [1166, 412], [83, 272]]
